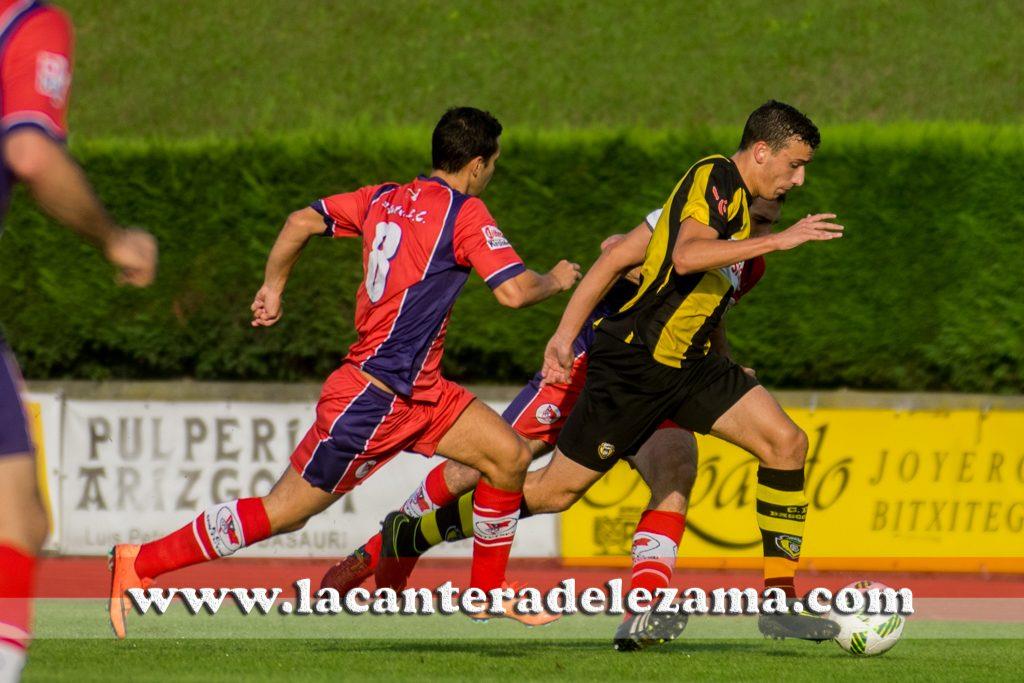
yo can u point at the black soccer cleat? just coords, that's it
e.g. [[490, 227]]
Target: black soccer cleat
[[398, 554], [647, 629], [802, 625]]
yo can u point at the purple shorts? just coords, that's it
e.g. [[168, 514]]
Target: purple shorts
[[14, 438]]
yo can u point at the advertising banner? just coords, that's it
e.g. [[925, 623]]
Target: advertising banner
[[44, 420], [887, 488], [135, 470]]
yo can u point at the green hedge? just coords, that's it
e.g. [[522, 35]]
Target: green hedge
[[925, 292]]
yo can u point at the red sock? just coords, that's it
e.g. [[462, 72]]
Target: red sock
[[785, 583], [655, 545], [495, 516], [16, 571], [372, 548], [437, 488], [432, 493], [217, 532]]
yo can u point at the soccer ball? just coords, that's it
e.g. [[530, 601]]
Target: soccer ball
[[863, 634]]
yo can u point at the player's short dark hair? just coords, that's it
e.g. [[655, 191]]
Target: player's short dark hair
[[775, 123], [463, 134]]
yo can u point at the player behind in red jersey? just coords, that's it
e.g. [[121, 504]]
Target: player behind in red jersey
[[35, 79], [667, 462], [420, 241]]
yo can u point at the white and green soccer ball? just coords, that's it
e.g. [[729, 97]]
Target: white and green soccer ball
[[863, 634]]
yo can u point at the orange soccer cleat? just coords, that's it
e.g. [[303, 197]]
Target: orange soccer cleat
[[543, 618], [121, 562]]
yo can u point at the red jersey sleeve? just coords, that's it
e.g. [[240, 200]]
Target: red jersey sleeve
[[344, 213], [479, 243], [753, 271], [36, 74]]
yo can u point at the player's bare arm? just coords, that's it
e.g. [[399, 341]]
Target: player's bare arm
[[61, 189], [531, 287], [300, 226], [699, 247], [614, 261]]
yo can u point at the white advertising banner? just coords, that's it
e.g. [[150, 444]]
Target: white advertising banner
[[135, 470]]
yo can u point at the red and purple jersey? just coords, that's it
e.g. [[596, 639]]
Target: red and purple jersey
[[420, 241], [35, 74]]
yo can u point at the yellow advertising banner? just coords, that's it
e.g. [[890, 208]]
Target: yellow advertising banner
[[940, 490], [35, 422]]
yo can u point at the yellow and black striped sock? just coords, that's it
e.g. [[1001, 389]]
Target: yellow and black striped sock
[[453, 522], [781, 512]]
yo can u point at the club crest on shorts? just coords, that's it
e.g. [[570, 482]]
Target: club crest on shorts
[[605, 450], [548, 414], [365, 468], [789, 545]]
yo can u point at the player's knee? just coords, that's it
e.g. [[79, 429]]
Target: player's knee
[[511, 461], [791, 448]]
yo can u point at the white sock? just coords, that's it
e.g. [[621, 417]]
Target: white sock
[[12, 661]]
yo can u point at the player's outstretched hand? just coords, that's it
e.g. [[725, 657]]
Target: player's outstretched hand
[[814, 227], [134, 253], [558, 358], [566, 274], [266, 307]]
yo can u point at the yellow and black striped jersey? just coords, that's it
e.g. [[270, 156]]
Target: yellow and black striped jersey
[[673, 315]]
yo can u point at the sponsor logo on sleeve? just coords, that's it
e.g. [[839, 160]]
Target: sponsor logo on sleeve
[[722, 202], [53, 77], [494, 237]]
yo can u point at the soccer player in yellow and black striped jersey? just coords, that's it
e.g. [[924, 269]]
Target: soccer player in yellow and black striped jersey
[[652, 360], [674, 314]]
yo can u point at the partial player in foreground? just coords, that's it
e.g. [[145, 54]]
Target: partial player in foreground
[[36, 50], [420, 240], [440, 510]]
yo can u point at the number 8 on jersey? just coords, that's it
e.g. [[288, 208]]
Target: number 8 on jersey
[[385, 244]]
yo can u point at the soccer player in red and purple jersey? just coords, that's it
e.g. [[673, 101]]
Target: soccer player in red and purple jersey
[[420, 241], [35, 79], [439, 510]]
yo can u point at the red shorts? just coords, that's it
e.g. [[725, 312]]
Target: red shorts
[[359, 427], [539, 413]]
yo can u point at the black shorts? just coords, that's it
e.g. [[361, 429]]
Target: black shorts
[[628, 394]]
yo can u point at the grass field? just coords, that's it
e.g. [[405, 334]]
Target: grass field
[[74, 644], [168, 68]]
